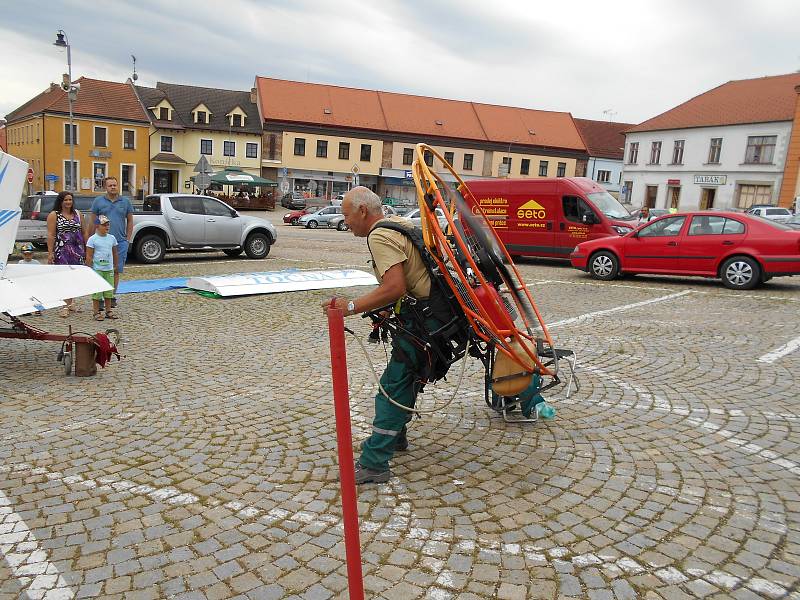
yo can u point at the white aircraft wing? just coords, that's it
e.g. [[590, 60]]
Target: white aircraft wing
[[26, 288], [270, 282]]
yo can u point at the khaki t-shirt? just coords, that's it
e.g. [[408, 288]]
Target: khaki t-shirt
[[392, 247]]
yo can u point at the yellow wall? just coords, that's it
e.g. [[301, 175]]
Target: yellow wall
[[332, 162], [56, 151], [24, 140], [516, 163], [186, 144], [458, 158]]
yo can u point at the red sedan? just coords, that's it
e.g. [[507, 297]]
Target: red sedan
[[740, 249], [292, 217]]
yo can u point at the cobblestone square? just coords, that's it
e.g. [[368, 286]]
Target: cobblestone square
[[204, 464]]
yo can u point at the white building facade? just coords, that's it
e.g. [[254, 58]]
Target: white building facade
[[727, 166]]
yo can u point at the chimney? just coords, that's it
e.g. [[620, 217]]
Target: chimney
[[253, 96]]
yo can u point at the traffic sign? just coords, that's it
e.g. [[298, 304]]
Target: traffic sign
[[30, 175], [284, 186], [51, 177], [202, 166], [355, 169], [202, 180], [284, 172]]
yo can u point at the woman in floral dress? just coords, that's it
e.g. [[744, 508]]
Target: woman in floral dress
[[66, 243]]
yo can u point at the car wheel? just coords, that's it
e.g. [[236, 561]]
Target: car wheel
[[150, 249], [312, 225], [294, 220], [740, 273], [604, 265], [233, 251], [342, 226], [257, 245]]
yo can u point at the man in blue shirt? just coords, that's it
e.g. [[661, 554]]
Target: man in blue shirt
[[119, 211]]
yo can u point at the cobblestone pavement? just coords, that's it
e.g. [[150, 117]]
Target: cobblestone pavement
[[204, 464]]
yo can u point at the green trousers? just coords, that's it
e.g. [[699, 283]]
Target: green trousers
[[400, 381]]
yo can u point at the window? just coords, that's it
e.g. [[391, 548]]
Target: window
[[344, 150], [562, 170], [128, 139], [237, 120], [408, 156], [754, 194], [166, 143], [272, 144], [428, 158], [99, 172], [200, 117], [366, 152], [163, 113], [215, 208], [228, 148], [677, 153], [575, 209], [542, 168], [251, 150], [299, 146], [74, 136], [525, 166], [655, 153], [449, 157], [70, 175], [633, 153], [714, 151], [100, 136], [667, 227], [703, 225], [760, 149], [188, 204], [206, 146], [506, 169], [603, 176], [322, 148], [468, 158], [733, 226]]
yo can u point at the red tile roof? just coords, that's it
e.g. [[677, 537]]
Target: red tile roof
[[96, 98], [328, 105], [603, 139], [761, 100]]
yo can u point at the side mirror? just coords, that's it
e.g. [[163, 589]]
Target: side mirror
[[589, 219], [234, 214]]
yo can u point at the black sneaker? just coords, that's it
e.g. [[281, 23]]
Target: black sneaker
[[365, 475]]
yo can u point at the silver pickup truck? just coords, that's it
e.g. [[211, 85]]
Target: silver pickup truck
[[188, 221]]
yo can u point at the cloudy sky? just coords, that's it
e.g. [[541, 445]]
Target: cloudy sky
[[635, 59]]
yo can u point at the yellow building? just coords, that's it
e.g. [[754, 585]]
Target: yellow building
[[187, 122], [110, 132]]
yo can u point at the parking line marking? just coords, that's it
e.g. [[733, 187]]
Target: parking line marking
[[609, 311], [32, 564], [787, 348]]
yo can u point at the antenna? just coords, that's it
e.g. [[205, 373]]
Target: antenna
[[134, 76], [610, 113]]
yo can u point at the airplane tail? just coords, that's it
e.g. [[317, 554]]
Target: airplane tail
[[12, 182]]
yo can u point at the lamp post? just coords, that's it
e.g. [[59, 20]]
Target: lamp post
[[63, 42]]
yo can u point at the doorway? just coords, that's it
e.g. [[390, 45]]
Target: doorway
[[674, 197], [650, 196], [165, 181], [707, 198]]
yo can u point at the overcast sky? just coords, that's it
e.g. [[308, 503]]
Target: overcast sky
[[636, 58]]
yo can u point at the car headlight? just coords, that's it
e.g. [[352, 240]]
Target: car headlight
[[621, 229]]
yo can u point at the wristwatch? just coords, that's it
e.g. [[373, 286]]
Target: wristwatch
[[351, 307]]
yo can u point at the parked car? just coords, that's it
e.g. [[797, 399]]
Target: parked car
[[337, 200], [190, 221], [742, 250], [414, 217], [293, 201], [319, 217], [293, 217], [35, 209], [338, 223], [774, 213], [794, 221]]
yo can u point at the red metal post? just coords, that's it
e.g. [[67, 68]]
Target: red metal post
[[344, 438]]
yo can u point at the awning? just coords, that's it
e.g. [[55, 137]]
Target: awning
[[235, 176], [168, 157]]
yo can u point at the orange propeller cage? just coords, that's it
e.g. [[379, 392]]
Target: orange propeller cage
[[486, 312]]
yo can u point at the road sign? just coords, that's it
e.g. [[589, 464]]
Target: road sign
[[30, 175], [355, 169], [284, 172], [51, 177], [202, 180], [284, 186], [202, 166]]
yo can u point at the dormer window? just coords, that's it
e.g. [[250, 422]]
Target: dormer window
[[200, 117], [237, 120], [163, 113]]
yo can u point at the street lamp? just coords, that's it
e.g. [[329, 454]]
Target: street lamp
[[72, 93]]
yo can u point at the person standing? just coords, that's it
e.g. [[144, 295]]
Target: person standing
[[119, 211], [65, 239], [101, 253], [402, 273]]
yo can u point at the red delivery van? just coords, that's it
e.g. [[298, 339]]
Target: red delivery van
[[549, 216]]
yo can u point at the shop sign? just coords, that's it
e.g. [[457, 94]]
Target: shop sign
[[710, 179], [673, 181]]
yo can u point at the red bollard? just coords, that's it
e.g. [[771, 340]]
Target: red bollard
[[344, 438]]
